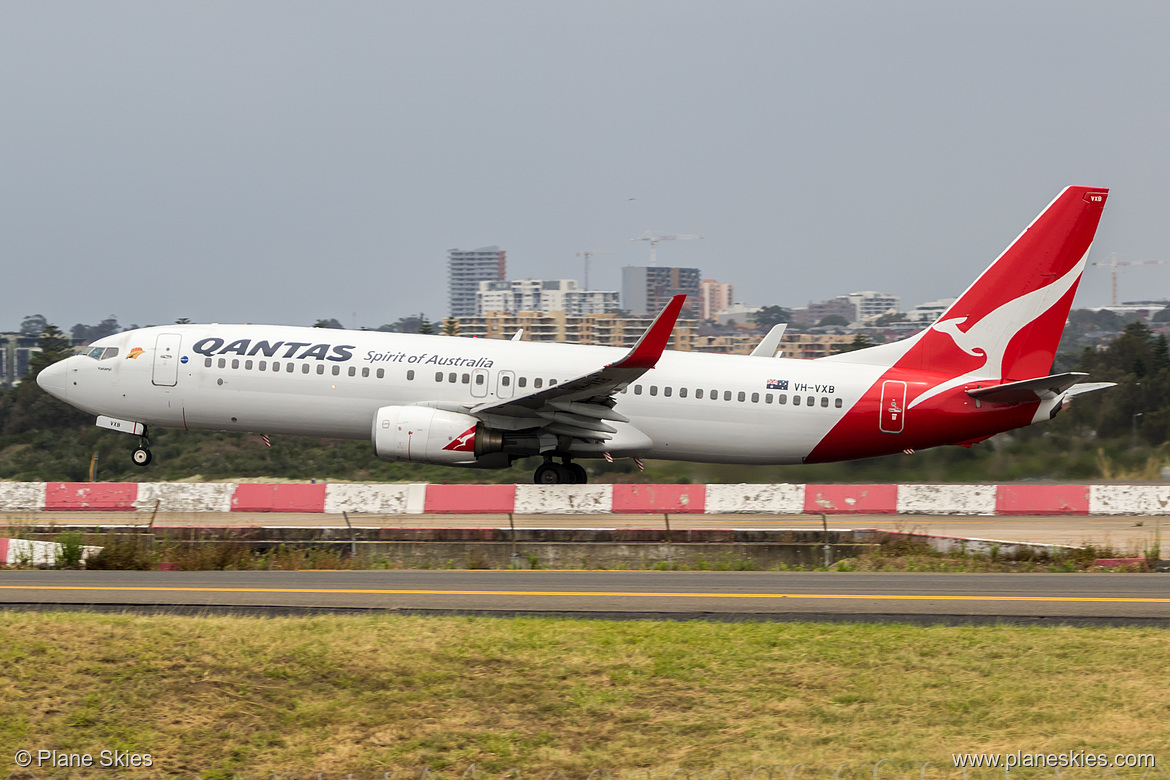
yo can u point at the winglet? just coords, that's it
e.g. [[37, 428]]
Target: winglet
[[649, 348]]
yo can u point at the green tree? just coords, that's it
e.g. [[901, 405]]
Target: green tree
[[860, 341], [330, 323], [450, 327], [772, 315], [425, 326], [833, 319], [31, 408], [33, 325]]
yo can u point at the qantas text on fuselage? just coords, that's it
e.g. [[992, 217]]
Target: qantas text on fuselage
[[983, 367]]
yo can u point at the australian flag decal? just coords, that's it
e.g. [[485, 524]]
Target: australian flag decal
[[777, 384]]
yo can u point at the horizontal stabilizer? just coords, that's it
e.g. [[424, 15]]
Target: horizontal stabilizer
[[1042, 389]]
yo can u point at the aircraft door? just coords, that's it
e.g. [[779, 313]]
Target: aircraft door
[[893, 411], [505, 384], [166, 360], [479, 382]]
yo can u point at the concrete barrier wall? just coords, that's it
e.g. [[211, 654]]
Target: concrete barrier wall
[[22, 496], [782, 499], [946, 499], [851, 499]]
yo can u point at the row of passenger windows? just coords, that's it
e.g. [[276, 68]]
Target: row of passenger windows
[[741, 396], [291, 366], [505, 379]]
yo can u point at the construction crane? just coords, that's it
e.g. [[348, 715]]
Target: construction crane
[[1114, 262], [654, 239], [587, 254]]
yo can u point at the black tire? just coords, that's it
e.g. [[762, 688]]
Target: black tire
[[580, 475], [551, 474], [141, 457]]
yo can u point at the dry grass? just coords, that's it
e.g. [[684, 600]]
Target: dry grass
[[211, 696]]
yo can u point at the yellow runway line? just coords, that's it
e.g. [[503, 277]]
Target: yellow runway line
[[374, 592]]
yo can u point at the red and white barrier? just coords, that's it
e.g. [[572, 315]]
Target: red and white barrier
[[412, 499]]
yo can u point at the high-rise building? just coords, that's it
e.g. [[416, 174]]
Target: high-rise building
[[714, 297], [646, 289], [466, 269], [543, 295], [871, 305]]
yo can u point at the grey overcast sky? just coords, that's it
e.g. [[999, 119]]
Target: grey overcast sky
[[288, 161]]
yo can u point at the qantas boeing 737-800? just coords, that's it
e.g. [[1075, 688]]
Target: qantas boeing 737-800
[[982, 368]]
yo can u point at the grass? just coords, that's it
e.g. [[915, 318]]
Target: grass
[[212, 696]]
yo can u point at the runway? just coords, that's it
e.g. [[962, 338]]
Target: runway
[[1052, 599]]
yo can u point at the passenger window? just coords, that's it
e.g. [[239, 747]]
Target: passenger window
[[523, 381], [207, 362], [666, 391], [682, 392], [755, 398], [538, 383], [467, 379], [365, 371], [699, 394], [825, 402], [438, 376], [479, 379], [382, 373], [795, 400], [782, 398], [223, 362], [304, 368], [742, 396], [837, 403], [452, 377], [235, 362], [248, 365], [263, 365], [337, 371], [506, 380], [552, 382], [810, 401], [637, 389], [714, 395], [409, 375], [289, 367], [275, 366], [726, 395], [767, 398], [320, 369], [653, 389], [353, 371]]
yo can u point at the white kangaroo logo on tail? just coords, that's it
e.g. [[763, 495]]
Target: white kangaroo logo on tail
[[990, 336]]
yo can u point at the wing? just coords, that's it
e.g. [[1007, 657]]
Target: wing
[[582, 408]]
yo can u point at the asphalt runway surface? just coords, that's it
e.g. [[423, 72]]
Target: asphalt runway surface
[[1047, 599]]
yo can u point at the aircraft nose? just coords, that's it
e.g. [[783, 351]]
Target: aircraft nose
[[53, 379]]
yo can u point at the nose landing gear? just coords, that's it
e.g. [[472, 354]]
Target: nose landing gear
[[141, 455], [564, 473]]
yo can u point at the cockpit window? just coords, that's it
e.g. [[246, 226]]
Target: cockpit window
[[110, 352], [92, 352]]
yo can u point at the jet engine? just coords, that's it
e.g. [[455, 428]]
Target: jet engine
[[425, 435]]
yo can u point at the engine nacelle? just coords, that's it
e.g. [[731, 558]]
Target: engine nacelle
[[424, 435]]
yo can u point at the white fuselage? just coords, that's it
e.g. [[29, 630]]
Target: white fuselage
[[324, 382]]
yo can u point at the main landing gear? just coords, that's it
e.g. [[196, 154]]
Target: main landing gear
[[141, 455], [564, 473]]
